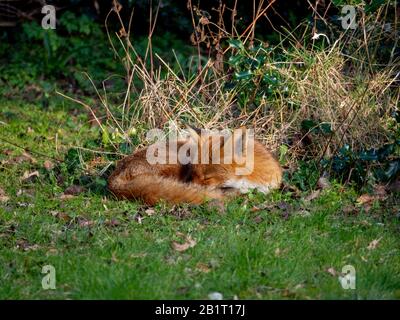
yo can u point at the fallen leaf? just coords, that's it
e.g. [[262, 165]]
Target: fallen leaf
[[323, 183], [26, 246], [313, 195], [74, 190], [52, 251], [380, 192], [366, 198], [7, 152], [112, 223], [202, 267], [189, 243], [264, 206], [48, 165], [350, 209], [30, 176], [61, 215], [373, 244], [66, 196], [3, 196], [150, 211], [366, 201], [299, 286], [258, 219], [332, 272], [85, 223], [25, 157], [303, 213]]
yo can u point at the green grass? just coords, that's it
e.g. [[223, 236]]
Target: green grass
[[280, 252]]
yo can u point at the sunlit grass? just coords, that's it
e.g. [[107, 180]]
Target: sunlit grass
[[277, 246]]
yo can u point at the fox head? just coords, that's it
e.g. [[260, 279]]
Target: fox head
[[219, 157]]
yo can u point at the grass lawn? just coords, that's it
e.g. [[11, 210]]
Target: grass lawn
[[280, 246]]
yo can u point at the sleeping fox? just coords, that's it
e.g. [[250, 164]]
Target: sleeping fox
[[216, 168]]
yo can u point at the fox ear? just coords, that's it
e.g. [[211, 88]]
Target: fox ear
[[238, 141], [194, 133]]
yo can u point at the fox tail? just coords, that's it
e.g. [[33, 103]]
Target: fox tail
[[152, 188]]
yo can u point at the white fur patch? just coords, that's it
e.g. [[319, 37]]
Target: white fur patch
[[244, 185]]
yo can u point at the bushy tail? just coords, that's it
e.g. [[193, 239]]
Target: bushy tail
[[153, 188]]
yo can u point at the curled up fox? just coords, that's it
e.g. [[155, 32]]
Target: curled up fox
[[200, 167]]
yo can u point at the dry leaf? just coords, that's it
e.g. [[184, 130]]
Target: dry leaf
[[380, 192], [30, 176], [264, 206], [150, 211], [189, 243], [48, 165], [350, 209], [66, 196], [26, 246], [323, 183], [332, 271], [7, 152], [313, 195], [202, 267], [29, 157], [61, 215], [74, 190], [112, 223], [366, 199], [303, 213], [52, 251], [24, 157], [373, 244], [85, 223], [3, 196]]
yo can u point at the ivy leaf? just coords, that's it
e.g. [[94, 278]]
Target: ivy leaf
[[369, 155], [235, 43], [125, 148], [393, 169], [234, 60], [385, 151], [308, 125], [326, 128], [243, 75]]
